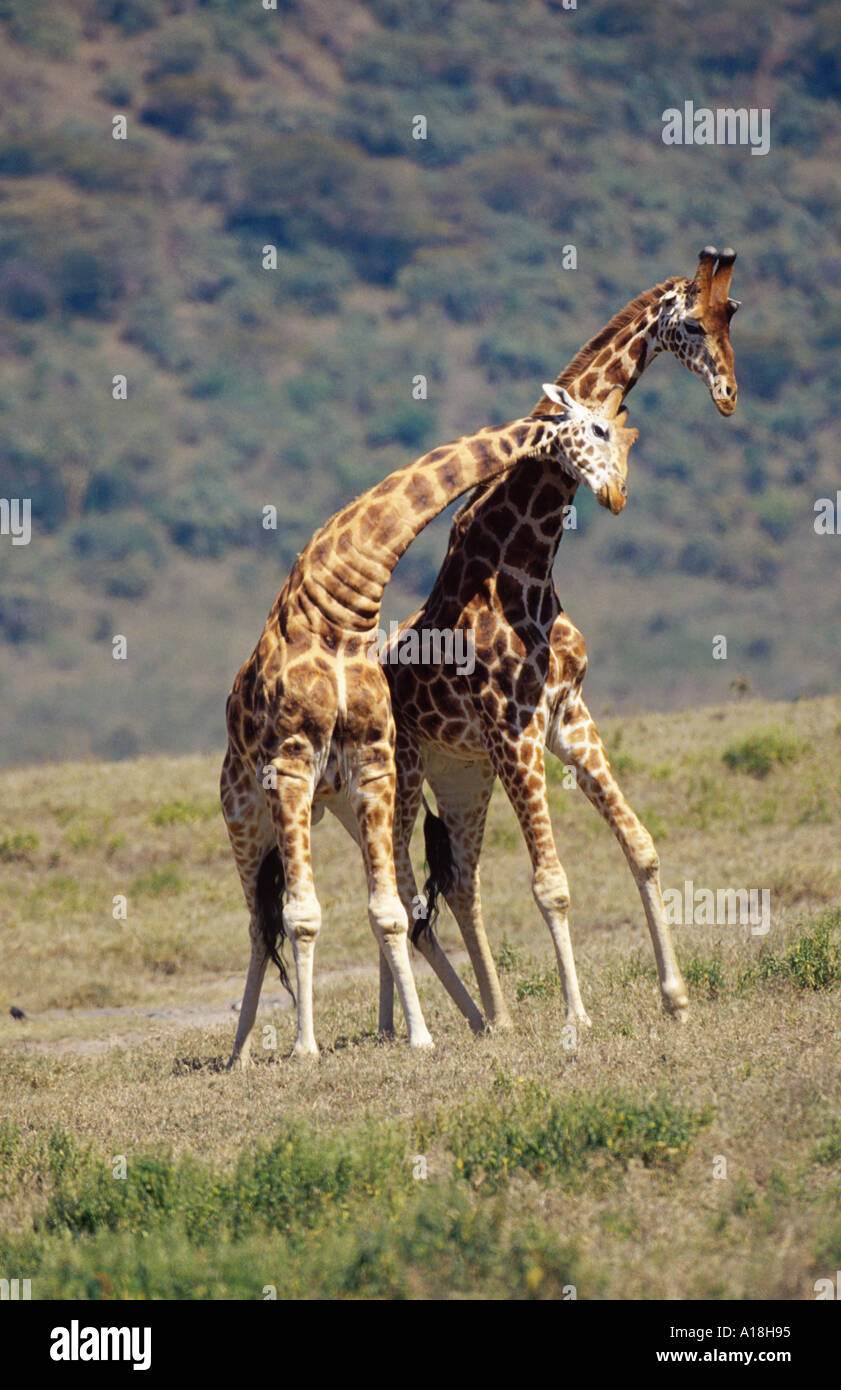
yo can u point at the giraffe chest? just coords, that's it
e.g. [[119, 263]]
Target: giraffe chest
[[520, 676]]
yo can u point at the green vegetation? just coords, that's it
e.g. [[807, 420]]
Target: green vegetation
[[811, 961], [346, 1215], [759, 753], [542, 1137], [395, 256]]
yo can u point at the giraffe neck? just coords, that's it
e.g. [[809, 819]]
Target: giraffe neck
[[337, 582], [518, 522], [620, 352]]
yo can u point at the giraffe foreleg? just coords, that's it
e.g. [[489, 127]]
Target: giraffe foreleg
[[574, 739], [250, 830], [372, 795], [520, 768]]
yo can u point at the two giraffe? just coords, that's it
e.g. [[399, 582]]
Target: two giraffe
[[310, 721], [289, 710], [459, 731]]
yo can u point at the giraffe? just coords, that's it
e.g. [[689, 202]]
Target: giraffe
[[309, 716], [459, 732]]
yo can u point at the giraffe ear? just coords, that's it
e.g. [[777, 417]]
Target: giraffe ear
[[558, 395]]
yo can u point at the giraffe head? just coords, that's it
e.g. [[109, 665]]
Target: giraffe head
[[694, 324], [592, 444]]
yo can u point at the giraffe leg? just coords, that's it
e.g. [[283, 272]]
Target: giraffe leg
[[342, 811], [290, 807], [409, 791], [520, 768], [371, 794], [463, 792], [250, 830], [575, 740]]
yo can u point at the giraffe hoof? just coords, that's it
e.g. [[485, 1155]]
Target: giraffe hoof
[[578, 1021], [677, 1008], [423, 1043], [301, 1051], [503, 1023]]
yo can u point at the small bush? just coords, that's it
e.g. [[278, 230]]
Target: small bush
[[759, 753], [508, 957], [538, 985], [811, 960], [18, 846], [706, 974], [130, 16], [541, 1136], [828, 1152]]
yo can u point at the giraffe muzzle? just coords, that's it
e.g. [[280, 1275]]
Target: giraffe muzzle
[[613, 495]]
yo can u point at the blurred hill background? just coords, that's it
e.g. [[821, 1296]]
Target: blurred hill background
[[293, 387]]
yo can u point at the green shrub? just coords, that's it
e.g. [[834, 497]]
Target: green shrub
[[776, 511], [26, 617], [89, 281], [538, 984], [706, 974], [828, 1152], [760, 753], [811, 959], [118, 88], [18, 846], [541, 1136], [26, 294], [130, 16]]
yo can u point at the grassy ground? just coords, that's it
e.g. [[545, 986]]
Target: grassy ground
[[650, 1161]]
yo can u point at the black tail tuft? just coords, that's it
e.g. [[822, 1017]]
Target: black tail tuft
[[442, 869], [271, 885]]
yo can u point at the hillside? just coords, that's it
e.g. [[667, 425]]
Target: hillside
[[292, 386]]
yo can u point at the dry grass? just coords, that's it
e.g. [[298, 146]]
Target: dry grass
[[128, 1023]]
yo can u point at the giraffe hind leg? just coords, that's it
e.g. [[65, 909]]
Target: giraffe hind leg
[[463, 792], [249, 828], [576, 742], [410, 772]]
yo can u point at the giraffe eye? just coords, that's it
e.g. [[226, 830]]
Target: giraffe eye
[[695, 329], [600, 432]]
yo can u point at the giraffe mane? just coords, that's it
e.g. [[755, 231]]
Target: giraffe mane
[[591, 349]]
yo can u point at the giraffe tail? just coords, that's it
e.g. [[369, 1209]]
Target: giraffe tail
[[442, 868], [271, 885]]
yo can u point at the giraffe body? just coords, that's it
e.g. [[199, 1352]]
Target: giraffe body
[[310, 723], [461, 731]]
